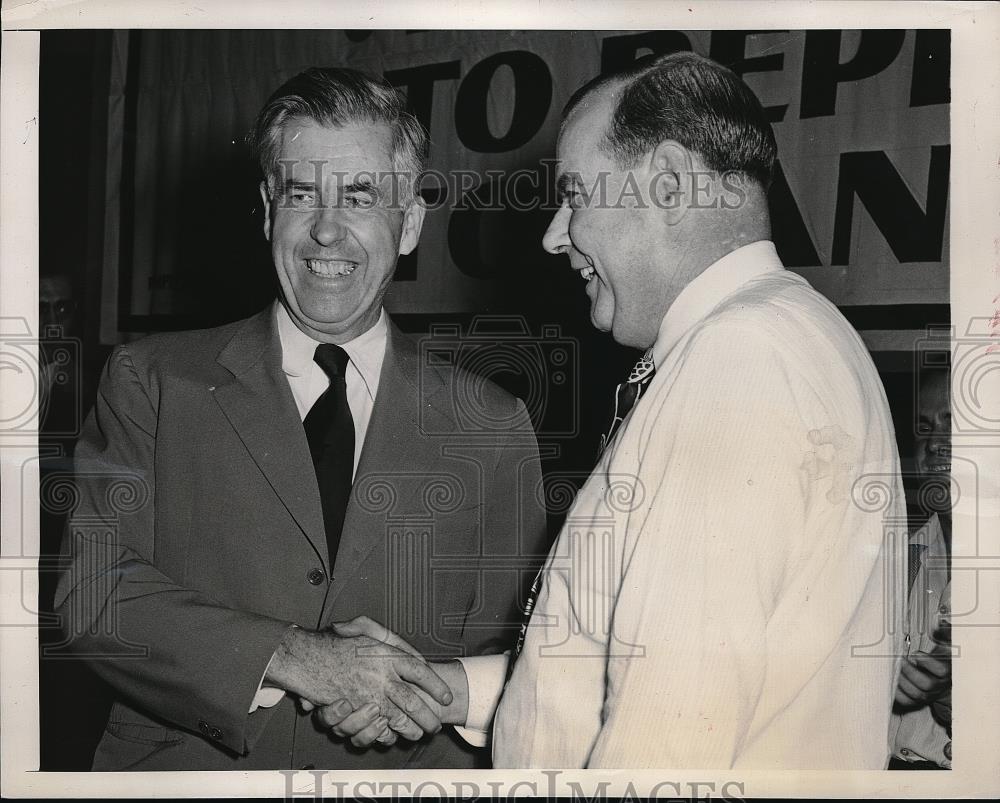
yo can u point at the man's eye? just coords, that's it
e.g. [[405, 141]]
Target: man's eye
[[301, 199], [573, 199], [359, 200]]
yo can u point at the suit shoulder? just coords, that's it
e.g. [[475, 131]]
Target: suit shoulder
[[466, 399], [186, 349], [453, 377], [486, 391]]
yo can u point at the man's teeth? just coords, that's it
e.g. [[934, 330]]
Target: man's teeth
[[940, 468], [587, 274], [330, 267]]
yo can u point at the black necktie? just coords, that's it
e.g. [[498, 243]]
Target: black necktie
[[330, 432], [628, 393]]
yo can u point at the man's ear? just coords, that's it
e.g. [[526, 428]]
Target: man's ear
[[265, 196], [672, 178], [413, 222]]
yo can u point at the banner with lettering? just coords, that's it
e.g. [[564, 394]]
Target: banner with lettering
[[860, 203]]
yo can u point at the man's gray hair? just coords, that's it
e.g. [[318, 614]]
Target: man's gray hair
[[337, 96]]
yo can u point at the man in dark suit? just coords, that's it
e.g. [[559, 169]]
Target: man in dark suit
[[243, 489]]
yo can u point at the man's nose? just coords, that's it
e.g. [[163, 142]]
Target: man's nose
[[328, 225], [940, 445], [556, 239]]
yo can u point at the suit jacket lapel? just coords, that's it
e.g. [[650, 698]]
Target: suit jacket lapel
[[393, 446], [259, 404]]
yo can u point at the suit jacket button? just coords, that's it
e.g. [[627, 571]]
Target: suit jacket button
[[203, 727], [316, 576], [216, 734]]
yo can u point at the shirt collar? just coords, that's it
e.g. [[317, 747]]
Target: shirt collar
[[930, 534], [366, 351], [705, 291]]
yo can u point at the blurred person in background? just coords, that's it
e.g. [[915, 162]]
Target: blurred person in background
[[920, 727]]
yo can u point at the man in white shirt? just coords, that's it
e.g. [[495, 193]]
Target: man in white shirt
[[725, 591], [921, 719], [243, 488]]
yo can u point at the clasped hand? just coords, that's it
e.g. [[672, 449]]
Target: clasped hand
[[363, 681]]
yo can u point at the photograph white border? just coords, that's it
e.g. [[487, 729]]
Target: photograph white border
[[975, 299]]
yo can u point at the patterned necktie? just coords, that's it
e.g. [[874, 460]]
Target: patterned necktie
[[330, 432], [525, 618], [913, 563], [628, 393]]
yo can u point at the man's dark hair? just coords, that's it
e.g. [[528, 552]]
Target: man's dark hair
[[337, 96], [693, 100]]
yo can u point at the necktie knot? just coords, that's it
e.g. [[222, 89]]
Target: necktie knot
[[332, 359], [643, 369], [628, 393]]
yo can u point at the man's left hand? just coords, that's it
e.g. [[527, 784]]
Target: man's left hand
[[923, 678]]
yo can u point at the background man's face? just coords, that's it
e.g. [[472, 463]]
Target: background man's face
[[336, 226], [933, 436], [611, 237], [56, 305]]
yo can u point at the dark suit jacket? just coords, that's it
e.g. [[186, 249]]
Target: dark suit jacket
[[198, 539]]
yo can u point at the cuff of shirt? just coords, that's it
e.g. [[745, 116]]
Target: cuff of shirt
[[485, 675], [266, 696]]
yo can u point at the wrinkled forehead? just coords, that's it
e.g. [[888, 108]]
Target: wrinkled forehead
[[306, 146], [935, 394]]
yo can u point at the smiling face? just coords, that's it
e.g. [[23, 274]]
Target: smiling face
[[335, 225], [613, 232]]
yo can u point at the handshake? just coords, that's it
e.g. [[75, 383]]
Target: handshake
[[364, 682]]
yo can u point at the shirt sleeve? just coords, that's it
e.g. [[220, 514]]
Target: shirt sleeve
[[485, 675], [266, 696], [702, 570]]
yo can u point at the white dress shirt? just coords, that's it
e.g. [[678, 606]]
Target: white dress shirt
[[700, 605], [916, 734], [308, 382]]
